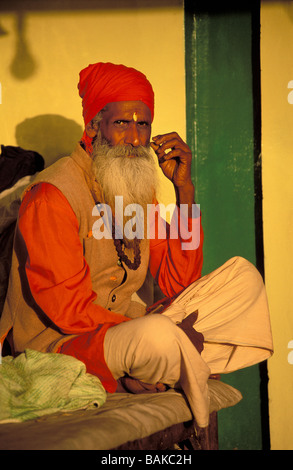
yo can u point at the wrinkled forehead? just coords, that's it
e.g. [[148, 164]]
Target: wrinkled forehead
[[129, 110]]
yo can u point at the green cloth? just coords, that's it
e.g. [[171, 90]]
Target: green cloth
[[35, 384]]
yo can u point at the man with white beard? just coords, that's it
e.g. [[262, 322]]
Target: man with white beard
[[75, 294]]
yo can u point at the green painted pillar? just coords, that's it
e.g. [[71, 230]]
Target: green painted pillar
[[222, 132]]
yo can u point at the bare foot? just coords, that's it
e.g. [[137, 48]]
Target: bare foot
[[130, 385]]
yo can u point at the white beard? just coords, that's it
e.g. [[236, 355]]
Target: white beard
[[119, 174], [125, 171]]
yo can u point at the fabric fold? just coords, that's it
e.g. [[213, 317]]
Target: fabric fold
[[35, 384]]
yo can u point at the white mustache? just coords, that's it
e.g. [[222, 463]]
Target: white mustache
[[121, 151]]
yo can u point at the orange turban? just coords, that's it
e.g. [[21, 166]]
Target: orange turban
[[104, 83]]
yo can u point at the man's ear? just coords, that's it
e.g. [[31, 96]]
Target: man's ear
[[90, 130]]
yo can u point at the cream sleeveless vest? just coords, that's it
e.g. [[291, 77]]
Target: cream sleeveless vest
[[117, 287]]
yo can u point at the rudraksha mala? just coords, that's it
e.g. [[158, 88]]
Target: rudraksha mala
[[134, 265]]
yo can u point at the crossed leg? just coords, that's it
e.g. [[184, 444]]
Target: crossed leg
[[152, 349], [233, 317]]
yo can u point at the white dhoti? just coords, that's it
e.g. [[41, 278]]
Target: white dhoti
[[233, 316]]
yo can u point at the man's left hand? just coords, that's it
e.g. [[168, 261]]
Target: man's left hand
[[174, 158]]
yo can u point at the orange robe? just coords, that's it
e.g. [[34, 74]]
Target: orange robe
[[60, 281]]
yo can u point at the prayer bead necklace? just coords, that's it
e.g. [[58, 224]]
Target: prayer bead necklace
[[134, 265]]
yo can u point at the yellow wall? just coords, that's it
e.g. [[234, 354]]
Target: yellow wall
[[41, 55], [43, 51], [277, 154]]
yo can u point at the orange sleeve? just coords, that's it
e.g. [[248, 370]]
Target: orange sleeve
[[57, 272], [176, 259]]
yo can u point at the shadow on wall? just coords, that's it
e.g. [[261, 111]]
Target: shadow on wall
[[23, 65], [51, 135]]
